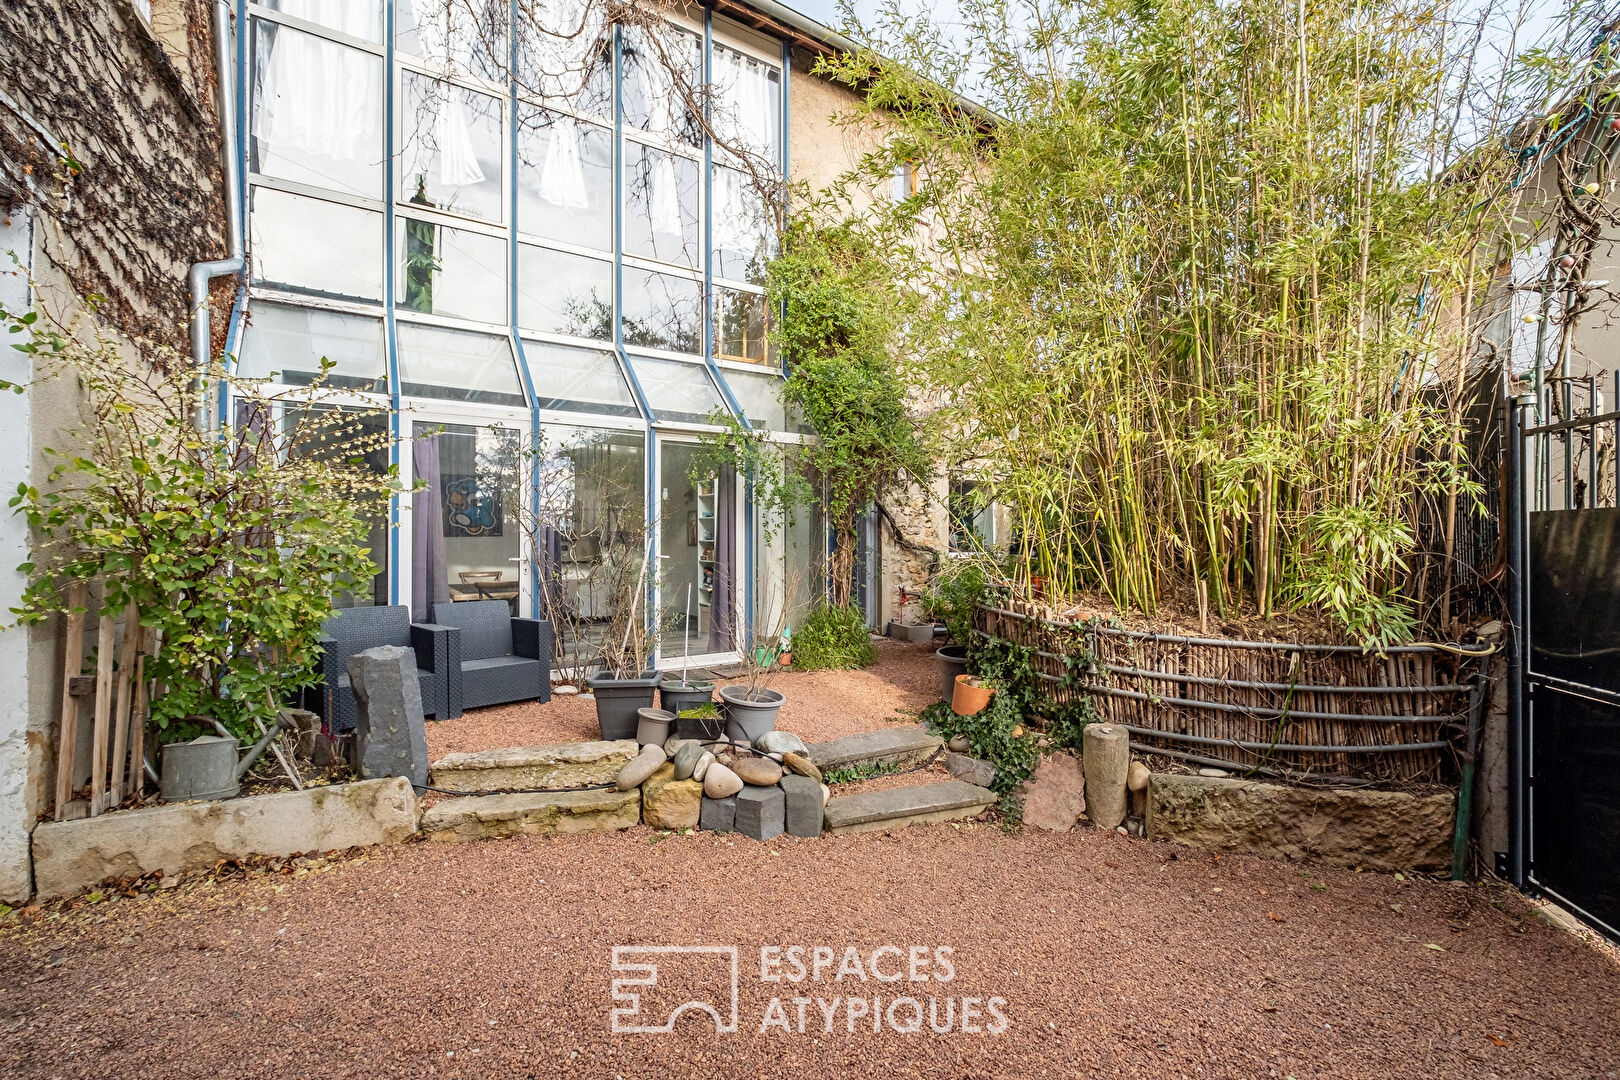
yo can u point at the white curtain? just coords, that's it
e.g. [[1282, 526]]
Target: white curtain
[[446, 38], [562, 177], [316, 96], [746, 117], [735, 225], [664, 196]]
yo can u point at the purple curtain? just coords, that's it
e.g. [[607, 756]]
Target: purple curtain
[[429, 578], [721, 638]]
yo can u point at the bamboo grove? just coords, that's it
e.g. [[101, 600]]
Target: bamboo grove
[[1197, 303]]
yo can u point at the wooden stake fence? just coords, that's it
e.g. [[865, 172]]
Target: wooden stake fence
[[119, 700]]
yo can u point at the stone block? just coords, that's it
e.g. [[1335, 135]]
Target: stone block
[[71, 856], [761, 812], [390, 734], [718, 815], [974, 770], [903, 744], [802, 806], [550, 768], [890, 808], [476, 817], [668, 803], [1382, 830], [1107, 750]]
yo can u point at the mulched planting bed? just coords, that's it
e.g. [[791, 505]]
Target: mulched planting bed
[[820, 705], [1115, 957]]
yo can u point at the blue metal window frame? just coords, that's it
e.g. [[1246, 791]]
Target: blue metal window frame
[[650, 429]]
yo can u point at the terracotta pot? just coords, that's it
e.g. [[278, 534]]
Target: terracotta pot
[[969, 699]]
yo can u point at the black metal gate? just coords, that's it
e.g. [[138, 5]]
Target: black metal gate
[[1564, 550]]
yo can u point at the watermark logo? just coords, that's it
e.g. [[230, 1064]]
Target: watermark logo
[[820, 990], [698, 978]]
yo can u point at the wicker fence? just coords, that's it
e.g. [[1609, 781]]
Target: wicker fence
[[1281, 708]]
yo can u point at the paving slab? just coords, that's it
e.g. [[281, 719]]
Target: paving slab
[[475, 817], [904, 744], [922, 804], [554, 767]]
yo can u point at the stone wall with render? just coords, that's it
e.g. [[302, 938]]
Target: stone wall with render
[[826, 140], [111, 184]]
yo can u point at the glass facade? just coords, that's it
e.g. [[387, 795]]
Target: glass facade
[[465, 209]]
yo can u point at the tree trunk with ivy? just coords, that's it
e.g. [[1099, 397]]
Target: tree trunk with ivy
[[843, 560]]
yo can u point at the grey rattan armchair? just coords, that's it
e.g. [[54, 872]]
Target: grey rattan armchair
[[353, 630], [502, 658]]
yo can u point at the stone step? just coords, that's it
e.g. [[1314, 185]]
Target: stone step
[[902, 745], [922, 804], [475, 817], [551, 768]]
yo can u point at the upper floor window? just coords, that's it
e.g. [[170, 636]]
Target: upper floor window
[[454, 37], [661, 74], [451, 148], [747, 111]]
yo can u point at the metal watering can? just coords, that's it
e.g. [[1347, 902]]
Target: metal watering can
[[207, 766]]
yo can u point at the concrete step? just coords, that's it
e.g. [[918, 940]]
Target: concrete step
[[475, 817], [903, 745], [552, 768], [891, 808]]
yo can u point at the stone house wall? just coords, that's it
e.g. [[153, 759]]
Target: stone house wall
[[112, 185]]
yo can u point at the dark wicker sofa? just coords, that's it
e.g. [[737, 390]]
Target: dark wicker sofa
[[353, 630], [502, 658]]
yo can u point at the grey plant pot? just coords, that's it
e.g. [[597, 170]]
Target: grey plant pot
[[952, 662], [677, 696], [617, 701], [749, 718], [917, 634]]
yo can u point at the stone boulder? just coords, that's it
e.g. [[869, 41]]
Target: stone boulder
[[670, 803], [781, 742], [973, 770], [545, 813], [1055, 794], [1381, 830], [758, 771], [640, 767], [720, 782], [390, 737]]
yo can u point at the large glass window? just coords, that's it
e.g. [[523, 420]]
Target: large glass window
[[564, 55], [455, 37], [760, 397], [456, 364], [578, 380], [662, 196], [677, 391], [565, 179], [563, 293], [357, 18], [747, 112], [316, 246], [742, 326], [473, 503], [451, 148], [309, 432], [697, 554], [288, 344], [744, 232], [655, 100], [317, 111], [591, 525], [662, 311], [445, 271]]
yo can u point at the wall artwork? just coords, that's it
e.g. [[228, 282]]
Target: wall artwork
[[691, 528], [471, 508]]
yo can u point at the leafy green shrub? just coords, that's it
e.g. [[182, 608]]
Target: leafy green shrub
[[832, 637], [999, 735], [956, 590], [230, 544]]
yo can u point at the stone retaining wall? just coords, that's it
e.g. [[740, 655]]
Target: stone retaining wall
[[1381, 830]]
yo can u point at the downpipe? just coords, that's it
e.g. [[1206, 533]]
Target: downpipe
[[203, 273]]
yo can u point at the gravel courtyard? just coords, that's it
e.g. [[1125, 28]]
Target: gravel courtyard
[[1114, 957]]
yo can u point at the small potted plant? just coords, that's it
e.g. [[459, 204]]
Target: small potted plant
[[951, 598], [752, 706], [972, 695], [626, 680], [702, 721]]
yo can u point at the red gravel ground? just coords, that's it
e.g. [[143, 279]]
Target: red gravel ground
[[820, 705], [1115, 957]]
